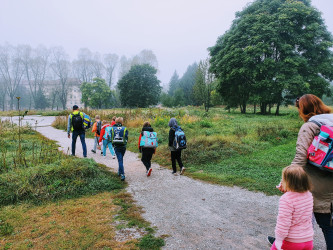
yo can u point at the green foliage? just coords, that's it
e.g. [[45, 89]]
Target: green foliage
[[96, 94], [273, 51], [42, 173], [150, 242], [139, 87], [5, 228]]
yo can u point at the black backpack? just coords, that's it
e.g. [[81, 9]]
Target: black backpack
[[99, 127], [77, 121]]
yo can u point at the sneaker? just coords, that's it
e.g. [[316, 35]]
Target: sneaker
[[270, 240], [149, 172], [101, 153], [93, 151], [122, 177], [113, 157], [182, 170], [174, 173]]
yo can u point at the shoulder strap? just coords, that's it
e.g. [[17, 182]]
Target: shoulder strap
[[317, 123]]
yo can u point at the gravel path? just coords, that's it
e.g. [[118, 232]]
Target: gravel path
[[194, 214]]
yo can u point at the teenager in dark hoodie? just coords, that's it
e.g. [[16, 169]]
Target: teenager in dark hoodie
[[175, 154], [147, 153]]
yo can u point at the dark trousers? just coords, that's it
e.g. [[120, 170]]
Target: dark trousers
[[324, 221], [82, 136], [147, 154], [176, 155], [120, 152]]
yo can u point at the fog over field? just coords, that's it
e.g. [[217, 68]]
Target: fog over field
[[178, 32]]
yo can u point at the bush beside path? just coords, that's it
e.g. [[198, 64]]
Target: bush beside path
[[193, 214]]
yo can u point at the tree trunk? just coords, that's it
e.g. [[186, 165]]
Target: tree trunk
[[277, 109]]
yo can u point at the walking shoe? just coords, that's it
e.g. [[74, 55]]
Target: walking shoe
[[174, 173], [93, 151], [101, 153], [122, 177], [182, 170], [113, 157], [149, 172], [270, 240]]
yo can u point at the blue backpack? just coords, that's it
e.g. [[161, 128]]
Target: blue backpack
[[179, 141], [118, 136], [149, 140]]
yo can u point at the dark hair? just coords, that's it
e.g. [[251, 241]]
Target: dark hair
[[309, 105], [295, 179], [146, 124], [75, 107]]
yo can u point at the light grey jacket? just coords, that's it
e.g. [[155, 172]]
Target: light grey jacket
[[322, 181]]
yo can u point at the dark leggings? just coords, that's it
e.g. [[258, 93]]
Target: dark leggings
[[147, 154], [176, 155], [324, 222]]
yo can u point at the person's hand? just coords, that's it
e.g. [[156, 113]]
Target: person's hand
[[280, 187], [69, 135]]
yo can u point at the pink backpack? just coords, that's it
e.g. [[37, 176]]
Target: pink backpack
[[320, 151]]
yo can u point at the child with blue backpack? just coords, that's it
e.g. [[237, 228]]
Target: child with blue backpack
[[105, 131], [176, 153], [147, 152]]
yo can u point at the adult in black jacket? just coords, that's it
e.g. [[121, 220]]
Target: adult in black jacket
[[147, 153], [175, 154]]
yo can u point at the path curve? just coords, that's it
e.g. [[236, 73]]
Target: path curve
[[194, 214]]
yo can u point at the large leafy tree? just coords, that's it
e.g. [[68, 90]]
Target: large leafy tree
[[96, 94], [186, 84], [274, 49], [139, 87]]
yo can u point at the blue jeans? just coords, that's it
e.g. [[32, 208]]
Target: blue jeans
[[323, 221], [83, 142], [95, 142], [120, 152], [109, 144]]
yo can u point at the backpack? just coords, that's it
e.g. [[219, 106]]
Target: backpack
[[99, 127], [108, 134], [179, 141], [149, 140], [320, 152], [87, 122], [118, 136], [77, 121]]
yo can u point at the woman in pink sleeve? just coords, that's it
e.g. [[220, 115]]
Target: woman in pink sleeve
[[294, 228]]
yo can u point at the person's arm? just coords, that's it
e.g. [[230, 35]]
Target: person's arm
[[284, 219], [69, 125], [139, 142], [305, 137], [102, 134]]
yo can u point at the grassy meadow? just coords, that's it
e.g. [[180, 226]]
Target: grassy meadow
[[227, 148], [50, 200]]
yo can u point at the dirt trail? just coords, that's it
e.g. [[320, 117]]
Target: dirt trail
[[195, 215]]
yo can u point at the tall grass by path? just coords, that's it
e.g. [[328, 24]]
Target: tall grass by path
[[51, 200]]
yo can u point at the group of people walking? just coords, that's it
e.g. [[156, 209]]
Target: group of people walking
[[308, 190], [114, 136]]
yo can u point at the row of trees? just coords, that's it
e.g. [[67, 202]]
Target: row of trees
[[44, 76]]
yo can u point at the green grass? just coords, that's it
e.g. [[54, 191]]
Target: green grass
[[49, 200]]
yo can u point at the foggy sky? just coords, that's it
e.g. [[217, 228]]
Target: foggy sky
[[177, 31]]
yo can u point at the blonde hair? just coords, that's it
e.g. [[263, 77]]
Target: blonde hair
[[114, 118], [97, 117], [119, 120], [295, 179], [104, 122]]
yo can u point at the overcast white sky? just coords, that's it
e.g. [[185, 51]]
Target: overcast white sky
[[177, 31]]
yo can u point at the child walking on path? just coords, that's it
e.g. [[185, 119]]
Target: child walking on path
[[105, 131], [294, 229], [97, 129], [147, 153], [119, 142], [175, 154]]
